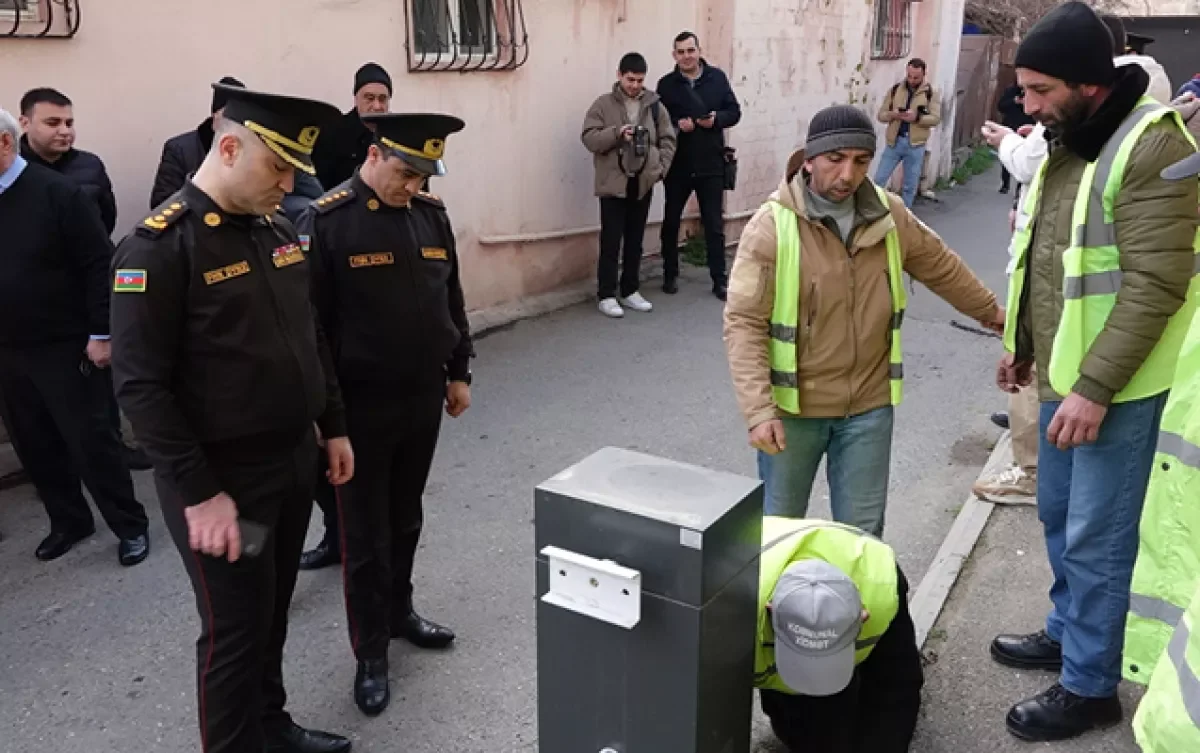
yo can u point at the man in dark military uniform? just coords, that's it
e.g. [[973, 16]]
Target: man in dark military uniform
[[218, 364], [386, 287]]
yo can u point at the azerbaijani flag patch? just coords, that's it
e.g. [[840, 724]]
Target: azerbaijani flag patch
[[130, 281], [305, 243]]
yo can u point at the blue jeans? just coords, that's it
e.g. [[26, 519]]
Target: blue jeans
[[913, 158], [1090, 502], [859, 450]]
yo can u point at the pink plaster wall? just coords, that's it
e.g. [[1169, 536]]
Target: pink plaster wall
[[139, 71]]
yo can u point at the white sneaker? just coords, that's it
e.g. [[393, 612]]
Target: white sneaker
[[638, 303], [1009, 486], [610, 307]]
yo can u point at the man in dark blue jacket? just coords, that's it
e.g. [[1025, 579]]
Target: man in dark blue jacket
[[48, 119], [702, 105]]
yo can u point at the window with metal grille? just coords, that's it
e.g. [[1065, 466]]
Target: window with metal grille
[[466, 35], [893, 29], [34, 19]]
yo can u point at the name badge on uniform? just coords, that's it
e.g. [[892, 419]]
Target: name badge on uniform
[[285, 256], [372, 260], [213, 276], [433, 252]]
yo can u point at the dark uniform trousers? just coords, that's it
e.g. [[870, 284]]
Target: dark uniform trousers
[[877, 713], [381, 510], [56, 405], [243, 605]]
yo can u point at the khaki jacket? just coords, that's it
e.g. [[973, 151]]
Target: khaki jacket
[[614, 157], [897, 97], [845, 302]]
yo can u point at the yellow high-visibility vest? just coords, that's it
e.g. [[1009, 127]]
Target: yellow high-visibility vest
[[785, 317]]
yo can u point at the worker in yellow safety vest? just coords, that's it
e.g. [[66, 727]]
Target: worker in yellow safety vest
[[837, 664], [1102, 291], [1162, 642], [812, 322]]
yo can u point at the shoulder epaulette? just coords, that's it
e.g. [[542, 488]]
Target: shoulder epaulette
[[430, 198], [167, 214], [334, 199]]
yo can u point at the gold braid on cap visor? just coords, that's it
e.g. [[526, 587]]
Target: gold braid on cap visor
[[434, 148], [276, 142]]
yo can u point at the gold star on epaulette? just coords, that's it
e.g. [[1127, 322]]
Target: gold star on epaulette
[[165, 216], [333, 200]]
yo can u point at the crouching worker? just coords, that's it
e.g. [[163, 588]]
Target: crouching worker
[[837, 664]]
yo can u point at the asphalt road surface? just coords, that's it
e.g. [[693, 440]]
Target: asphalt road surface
[[95, 658]]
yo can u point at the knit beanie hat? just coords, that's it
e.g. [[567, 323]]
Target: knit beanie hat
[[372, 73], [840, 127], [1116, 27], [221, 98], [1069, 43]]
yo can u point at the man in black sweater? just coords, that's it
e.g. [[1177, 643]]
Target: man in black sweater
[[54, 344], [702, 105]]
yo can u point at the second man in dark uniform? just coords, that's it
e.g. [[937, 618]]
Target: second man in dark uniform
[[222, 371], [386, 287]]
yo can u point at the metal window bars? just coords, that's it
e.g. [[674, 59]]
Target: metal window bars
[[466, 35], [39, 19], [893, 29]]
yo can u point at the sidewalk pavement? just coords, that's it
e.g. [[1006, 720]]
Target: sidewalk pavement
[[1002, 589]]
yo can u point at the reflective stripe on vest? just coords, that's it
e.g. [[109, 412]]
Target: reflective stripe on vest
[[1092, 270], [1168, 718], [785, 317], [1167, 570], [869, 562]]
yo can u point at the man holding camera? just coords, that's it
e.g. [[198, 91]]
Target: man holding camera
[[629, 133], [910, 110]]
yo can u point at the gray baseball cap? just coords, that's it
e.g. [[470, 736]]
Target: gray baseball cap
[[816, 612]]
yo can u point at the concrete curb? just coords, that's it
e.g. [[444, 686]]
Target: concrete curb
[[931, 595]]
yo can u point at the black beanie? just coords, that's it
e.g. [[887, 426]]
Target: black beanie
[[220, 98], [1069, 43], [1116, 27], [840, 127], [372, 73]]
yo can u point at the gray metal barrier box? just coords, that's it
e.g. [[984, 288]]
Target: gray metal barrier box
[[647, 585]]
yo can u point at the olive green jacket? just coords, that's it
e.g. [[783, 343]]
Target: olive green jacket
[[1155, 225]]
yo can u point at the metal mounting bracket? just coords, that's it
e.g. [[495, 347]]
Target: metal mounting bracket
[[600, 589]]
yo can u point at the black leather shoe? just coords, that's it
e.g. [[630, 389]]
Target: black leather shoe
[[1000, 419], [371, 691], [720, 290], [57, 544], [324, 555], [670, 285], [421, 632], [1033, 651], [132, 551], [1059, 714], [295, 739]]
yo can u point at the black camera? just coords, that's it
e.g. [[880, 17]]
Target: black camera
[[641, 135]]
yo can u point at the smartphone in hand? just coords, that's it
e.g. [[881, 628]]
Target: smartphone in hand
[[254, 537]]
